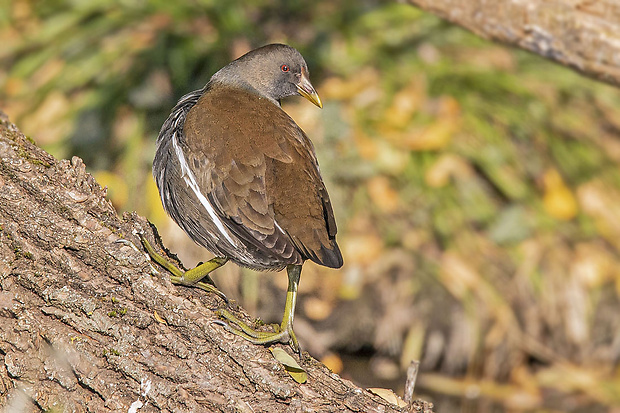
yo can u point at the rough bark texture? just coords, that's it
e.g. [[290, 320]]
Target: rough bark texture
[[582, 34], [87, 323]]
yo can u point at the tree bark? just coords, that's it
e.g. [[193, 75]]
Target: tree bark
[[88, 323], [581, 34]]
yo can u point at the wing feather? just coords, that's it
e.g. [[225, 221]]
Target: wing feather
[[261, 176]]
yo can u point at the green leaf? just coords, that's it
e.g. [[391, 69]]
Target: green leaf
[[290, 365]]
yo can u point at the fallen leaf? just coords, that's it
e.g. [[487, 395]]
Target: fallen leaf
[[363, 249], [405, 104], [337, 88], [290, 365], [433, 137], [382, 194], [317, 309], [333, 362], [559, 201], [158, 318], [388, 395], [446, 167]]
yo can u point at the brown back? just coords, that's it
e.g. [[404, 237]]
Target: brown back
[[259, 170]]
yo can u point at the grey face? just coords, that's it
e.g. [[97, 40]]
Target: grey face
[[275, 71]]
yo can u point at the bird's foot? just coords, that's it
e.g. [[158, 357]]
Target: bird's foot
[[196, 277], [202, 285], [283, 333]]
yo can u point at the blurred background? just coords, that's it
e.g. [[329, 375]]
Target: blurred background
[[476, 187]]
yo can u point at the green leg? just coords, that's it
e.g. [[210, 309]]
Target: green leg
[[190, 278], [285, 333]]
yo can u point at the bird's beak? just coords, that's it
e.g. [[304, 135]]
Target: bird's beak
[[305, 89]]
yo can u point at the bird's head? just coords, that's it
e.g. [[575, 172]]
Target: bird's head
[[275, 71]]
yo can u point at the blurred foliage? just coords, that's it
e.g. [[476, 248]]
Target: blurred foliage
[[477, 188]]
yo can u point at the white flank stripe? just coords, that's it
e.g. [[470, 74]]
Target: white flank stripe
[[190, 180], [279, 227]]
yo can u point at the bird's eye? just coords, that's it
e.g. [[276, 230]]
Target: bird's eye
[[284, 68]]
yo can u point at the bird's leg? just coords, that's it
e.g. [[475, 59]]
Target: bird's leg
[[196, 277], [285, 334]]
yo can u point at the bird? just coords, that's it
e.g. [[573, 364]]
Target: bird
[[242, 180]]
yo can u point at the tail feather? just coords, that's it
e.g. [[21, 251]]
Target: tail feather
[[329, 256]]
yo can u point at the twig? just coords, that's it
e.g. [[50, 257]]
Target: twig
[[412, 374]]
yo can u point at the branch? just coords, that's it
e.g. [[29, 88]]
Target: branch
[[582, 34], [87, 323]]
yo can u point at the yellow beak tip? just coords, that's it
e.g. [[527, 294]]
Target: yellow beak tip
[[312, 96]]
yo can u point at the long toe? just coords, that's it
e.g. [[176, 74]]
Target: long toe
[[241, 329]]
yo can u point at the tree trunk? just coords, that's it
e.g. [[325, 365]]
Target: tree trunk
[[581, 34], [88, 323]]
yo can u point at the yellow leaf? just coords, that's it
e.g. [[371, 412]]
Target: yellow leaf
[[558, 200], [438, 134], [405, 104], [317, 309], [336, 88], [446, 167], [158, 318], [290, 365], [388, 395], [366, 147], [118, 192], [382, 194], [333, 362], [435, 136], [363, 249]]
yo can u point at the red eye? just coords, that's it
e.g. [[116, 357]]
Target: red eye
[[284, 68]]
